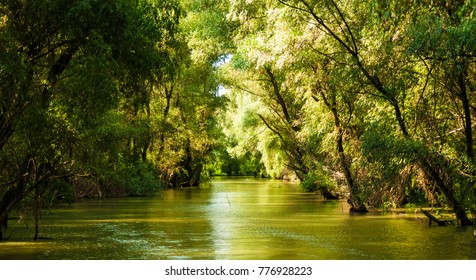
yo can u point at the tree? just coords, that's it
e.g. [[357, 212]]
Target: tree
[[343, 31], [187, 95], [267, 56], [445, 52], [64, 65]]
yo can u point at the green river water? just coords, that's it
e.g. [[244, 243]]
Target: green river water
[[236, 219]]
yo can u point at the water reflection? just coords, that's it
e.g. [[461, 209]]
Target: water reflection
[[233, 219]]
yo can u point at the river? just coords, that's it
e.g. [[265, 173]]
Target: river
[[237, 219]]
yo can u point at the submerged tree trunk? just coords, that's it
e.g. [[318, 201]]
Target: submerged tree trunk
[[327, 194], [14, 194], [191, 170], [36, 213], [459, 210], [355, 202], [196, 173], [353, 199], [3, 220]]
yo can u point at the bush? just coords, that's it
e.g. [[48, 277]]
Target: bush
[[137, 179], [314, 181]]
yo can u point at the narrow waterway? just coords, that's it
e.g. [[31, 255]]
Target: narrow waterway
[[233, 219]]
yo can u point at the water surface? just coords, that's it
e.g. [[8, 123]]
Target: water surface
[[233, 219]]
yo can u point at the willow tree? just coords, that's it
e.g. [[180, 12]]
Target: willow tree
[[376, 48], [444, 44]]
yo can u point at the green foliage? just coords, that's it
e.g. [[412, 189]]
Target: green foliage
[[382, 145], [373, 101], [136, 179], [386, 206], [68, 70], [309, 183], [318, 180], [410, 208], [416, 196], [372, 92]]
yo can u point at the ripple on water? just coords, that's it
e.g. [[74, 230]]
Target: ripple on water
[[234, 219]]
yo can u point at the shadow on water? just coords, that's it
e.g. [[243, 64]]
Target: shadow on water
[[233, 219]]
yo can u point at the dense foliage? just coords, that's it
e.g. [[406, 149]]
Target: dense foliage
[[371, 101], [101, 98], [368, 100]]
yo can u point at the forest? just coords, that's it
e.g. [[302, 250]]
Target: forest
[[367, 101]]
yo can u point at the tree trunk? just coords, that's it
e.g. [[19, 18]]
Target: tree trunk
[[3, 225], [354, 200], [36, 213], [195, 176], [442, 187], [327, 194]]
